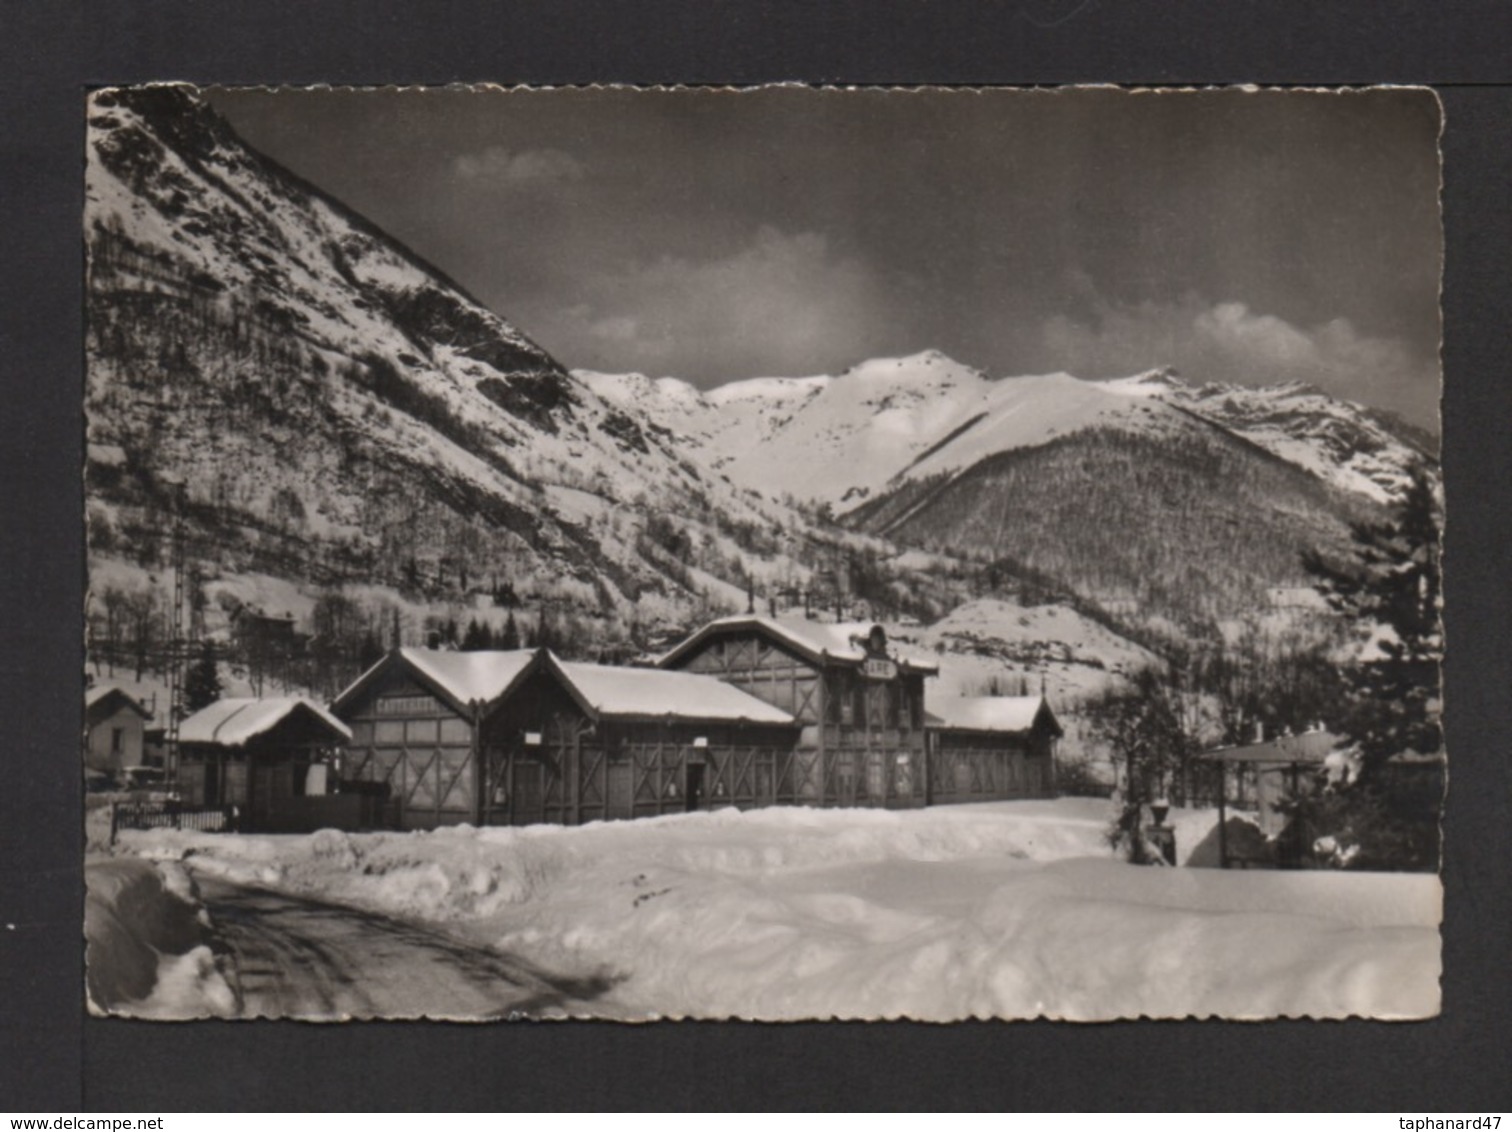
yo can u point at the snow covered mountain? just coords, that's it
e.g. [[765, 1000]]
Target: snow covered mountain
[[1349, 445], [886, 422], [330, 407], [1144, 494], [841, 439]]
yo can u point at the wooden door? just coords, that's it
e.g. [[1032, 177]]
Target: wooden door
[[621, 790], [529, 793]]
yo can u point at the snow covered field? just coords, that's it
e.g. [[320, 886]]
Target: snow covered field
[[1008, 910]]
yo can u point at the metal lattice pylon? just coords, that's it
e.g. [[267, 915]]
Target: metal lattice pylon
[[176, 652]]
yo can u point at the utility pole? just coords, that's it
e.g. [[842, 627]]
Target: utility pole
[[177, 647]]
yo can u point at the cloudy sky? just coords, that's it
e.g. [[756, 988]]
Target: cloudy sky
[[715, 235]]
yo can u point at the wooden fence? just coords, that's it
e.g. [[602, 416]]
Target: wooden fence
[[171, 815]]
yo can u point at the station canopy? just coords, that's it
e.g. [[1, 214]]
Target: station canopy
[[1310, 747]]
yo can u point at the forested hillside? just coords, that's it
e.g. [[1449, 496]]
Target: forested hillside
[[1192, 529]]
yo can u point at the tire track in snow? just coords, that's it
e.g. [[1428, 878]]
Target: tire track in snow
[[293, 957]]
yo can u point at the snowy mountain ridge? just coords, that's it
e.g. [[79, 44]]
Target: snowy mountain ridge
[[1349, 445], [841, 439]]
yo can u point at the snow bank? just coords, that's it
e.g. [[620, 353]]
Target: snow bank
[[146, 952], [1010, 910]]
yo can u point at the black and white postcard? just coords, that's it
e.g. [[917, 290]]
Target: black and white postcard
[[775, 553]]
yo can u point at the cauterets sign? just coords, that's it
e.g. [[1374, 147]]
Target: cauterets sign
[[878, 665]]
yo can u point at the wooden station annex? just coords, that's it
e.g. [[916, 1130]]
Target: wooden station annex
[[990, 747], [521, 737]]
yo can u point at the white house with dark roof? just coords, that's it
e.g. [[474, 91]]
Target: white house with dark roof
[[114, 722]]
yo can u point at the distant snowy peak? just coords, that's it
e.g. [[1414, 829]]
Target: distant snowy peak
[[845, 438], [775, 392], [1151, 383], [888, 420], [1343, 443], [841, 439]]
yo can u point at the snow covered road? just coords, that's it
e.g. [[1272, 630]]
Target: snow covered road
[[292, 957]]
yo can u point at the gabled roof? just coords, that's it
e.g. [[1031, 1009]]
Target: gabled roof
[[469, 677], [1008, 714], [459, 678], [231, 722], [100, 693], [1308, 747], [654, 693], [816, 641]]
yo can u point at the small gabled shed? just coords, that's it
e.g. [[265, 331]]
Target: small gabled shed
[[989, 748], [113, 729], [256, 755]]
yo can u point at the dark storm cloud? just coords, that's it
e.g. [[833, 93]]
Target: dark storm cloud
[[1240, 236], [1228, 342]]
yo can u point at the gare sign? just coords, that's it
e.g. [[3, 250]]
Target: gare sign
[[879, 668]]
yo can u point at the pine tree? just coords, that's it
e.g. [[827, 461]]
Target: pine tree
[[510, 637], [202, 683], [1144, 729], [472, 639], [478, 637], [371, 650], [1391, 586]]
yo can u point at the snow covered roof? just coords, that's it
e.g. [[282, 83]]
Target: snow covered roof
[[990, 713], [654, 693], [461, 677], [102, 692], [467, 676], [817, 640], [1308, 747], [233, 721]]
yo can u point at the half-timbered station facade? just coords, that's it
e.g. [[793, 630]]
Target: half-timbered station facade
[[991, 748], [257, 756], [521, 737], [858, 701]]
